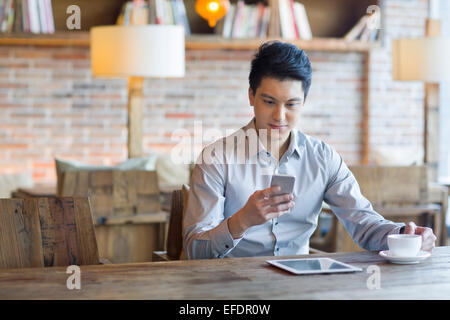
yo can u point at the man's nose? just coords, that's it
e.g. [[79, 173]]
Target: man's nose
[[279, 113]]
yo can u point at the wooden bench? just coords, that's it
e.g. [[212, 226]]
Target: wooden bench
[[400, 194], [129, 222]]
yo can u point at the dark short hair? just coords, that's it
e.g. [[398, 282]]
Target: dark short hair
[[282, 61]]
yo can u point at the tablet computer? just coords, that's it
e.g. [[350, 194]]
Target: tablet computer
[[313, 266]]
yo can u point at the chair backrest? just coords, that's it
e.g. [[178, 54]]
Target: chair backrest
[[175, 232], [394, 185], [174, 235], [45, 232], [114, 192]]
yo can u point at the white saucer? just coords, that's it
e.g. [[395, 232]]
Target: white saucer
[[422, 255]]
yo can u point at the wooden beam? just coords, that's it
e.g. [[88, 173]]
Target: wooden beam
[[431, 114], [135, 116], [365, 152]]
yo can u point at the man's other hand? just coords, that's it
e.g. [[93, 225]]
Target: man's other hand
[[428, 237]]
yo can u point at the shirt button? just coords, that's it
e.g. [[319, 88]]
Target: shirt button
[[227, 246], [277, 249], [276, 223]]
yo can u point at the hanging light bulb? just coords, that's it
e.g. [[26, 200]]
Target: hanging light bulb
[[212, 10]]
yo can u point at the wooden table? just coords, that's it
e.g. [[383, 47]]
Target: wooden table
[[237, 278]]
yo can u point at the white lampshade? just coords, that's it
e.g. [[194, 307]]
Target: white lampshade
[[141, 51], [421, 59]]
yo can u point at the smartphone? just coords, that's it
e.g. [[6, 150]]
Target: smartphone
[[286, 182]]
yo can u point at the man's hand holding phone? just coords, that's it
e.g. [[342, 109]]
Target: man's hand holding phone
[[263, 205]]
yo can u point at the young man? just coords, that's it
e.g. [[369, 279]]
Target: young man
[[232, 210]]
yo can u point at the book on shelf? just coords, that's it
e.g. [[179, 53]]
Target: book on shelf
[[294, 20], [286, 23], [285, 19], [365, 29], [134, 13], [31, 16], [244, 21], [166, 12], [302, 21]]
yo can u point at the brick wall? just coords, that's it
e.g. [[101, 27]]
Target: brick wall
[[51, 106]]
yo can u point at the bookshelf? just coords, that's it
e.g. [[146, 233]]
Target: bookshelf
[[330, 20], [194, 42]]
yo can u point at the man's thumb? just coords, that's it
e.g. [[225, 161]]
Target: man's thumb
[[411, 229]]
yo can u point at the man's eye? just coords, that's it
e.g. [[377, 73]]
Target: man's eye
[[291, 105], [268, 102]]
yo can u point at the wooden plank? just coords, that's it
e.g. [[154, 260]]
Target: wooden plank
[[47, 232], [194, 42], [124, 192], [82, 183], [101, 178], [85, 233], [38, 190], [147, 183], [101, 202], [69, 184], [12, 253], [66, 250], [148, 203], [31, 236], [129, 242], [156, 217]]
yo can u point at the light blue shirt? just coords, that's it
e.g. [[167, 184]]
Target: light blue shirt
[[221, 186]]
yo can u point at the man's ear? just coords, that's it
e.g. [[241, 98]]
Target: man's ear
[[251, 96]]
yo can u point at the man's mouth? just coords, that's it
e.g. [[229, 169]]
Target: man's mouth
[[277, 127]]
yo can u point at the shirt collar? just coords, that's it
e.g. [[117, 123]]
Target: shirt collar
[[297, 139]]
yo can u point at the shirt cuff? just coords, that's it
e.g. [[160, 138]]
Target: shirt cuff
[[398, 229], [223, 241]]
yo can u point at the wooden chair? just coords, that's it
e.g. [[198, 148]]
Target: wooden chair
[[126, 208], [400, 194], [174, 242], [46, 232]]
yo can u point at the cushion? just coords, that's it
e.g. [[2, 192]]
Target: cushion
[[397, 155], [171, 173], [12, 182]]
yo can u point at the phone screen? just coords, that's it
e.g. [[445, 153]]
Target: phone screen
[[286, 183]]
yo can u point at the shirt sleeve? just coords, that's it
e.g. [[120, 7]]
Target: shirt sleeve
[[206, 233], [367, 228]]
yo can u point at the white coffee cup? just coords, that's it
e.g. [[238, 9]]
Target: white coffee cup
[[404, 245]]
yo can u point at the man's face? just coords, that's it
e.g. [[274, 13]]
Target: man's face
[[277, 106]]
